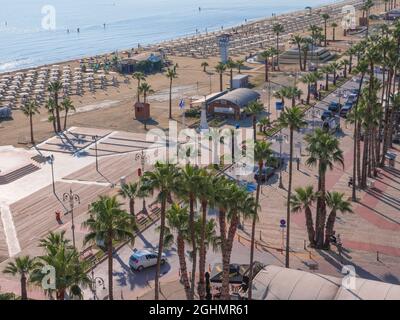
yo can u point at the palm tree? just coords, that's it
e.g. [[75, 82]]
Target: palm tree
[[278, 29], [30, 109], [206, 197], [325, 17], [139, 76], [368, 4], [69, 269], [334, 25], [130, 191], [220, 68], [324, 152], [254, 108], [171, 74], [302, 200], [281, 94], [54, 89], [309, 79], [263, 124], [266, 55], [204, 65], [177, 219], [108, 223], [145, 89], [262, 154], [188, 188], [336, 203], [298, 40], [163, 180], [292, 93], [230, 64], [23, 267], [239, 65], [51, 112], [344, 64], [335, 67], [293, 119], [305, 48], [67, 107], [327, 69]]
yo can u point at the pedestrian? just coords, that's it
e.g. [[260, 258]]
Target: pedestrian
[[298, 163], [58, 216]]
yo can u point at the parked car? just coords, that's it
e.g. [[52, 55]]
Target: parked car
[[141, 259], [352, 98], [346, 109], [334, 106], [267, 172], [326, 115], [332, 125]]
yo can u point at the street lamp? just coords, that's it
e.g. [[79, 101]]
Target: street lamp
[[95, 138], [50, 159], [72, 198], [143, 158], [96, 281]]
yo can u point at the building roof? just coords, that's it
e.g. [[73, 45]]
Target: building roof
[[277, 283], [240, 76], [241, 97]]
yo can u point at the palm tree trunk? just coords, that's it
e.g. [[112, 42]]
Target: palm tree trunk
[[220, 82], [202, 257], [231, 80], [330, 223], [160, 249], [277, 51], [266, 71], [308, 93], [110, 267], [194, 247], [254, 128], [24, 293], [253, 231], [327, 82], [321, 211], [310, 226], [65, 120], [287, 260], [31, 126], [226, 257], [132, 206], [57, 112], [300, 63], [182, 263], [334, 34]]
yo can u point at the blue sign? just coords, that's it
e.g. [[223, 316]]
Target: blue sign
[[283, 223], [279, 105], [182, 104]]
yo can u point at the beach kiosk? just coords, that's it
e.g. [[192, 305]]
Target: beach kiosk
[[142, 111]]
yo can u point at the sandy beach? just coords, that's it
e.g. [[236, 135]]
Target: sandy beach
[[112, 106]]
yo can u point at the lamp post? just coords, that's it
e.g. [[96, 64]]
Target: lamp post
[[95, 138], [50, 159], [143, 158], [96, 281], [72, 198]]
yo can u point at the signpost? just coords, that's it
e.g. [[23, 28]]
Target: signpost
[[283, 227]]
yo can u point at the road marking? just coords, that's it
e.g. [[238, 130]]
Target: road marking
[[9, 231]]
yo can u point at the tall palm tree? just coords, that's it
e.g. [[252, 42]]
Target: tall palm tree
[[139, 77], [162, 179], [204, 65], [177, 219], [188, 189], [220, 68], [145, 89], [230, 64], [298, 40], [67, 106], [302, 200], [171, 74], [278, 29], [292, 93], [266, 55], [263, 124], [344, 65], [50, 106], [327, 69], [309, 79], [336, 203], [254, 109], [239, 65], [325, 17], [281, 94], [293, 119], [334, 25], [335, 67], [130, 191], [368, 4], [23, 267], [54, 89], [30, 109], [206, 197], [262, 154], [305, 48], [69, 269], [324, 151], [108, 223]]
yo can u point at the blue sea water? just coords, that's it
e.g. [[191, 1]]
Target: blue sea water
[[25, 43]]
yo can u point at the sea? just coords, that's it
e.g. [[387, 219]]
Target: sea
[[38, 32]]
